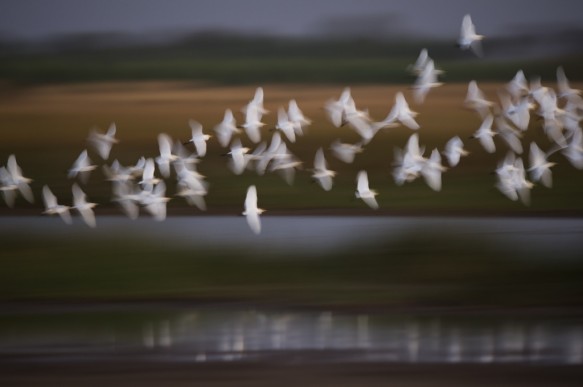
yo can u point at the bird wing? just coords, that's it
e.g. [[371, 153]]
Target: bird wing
[[362, 181], [165, 145], [251, 199], [254, 222], [319, 160], [79, 197], [49, 198]]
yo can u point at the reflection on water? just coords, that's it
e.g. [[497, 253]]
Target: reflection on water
[[217, 334]]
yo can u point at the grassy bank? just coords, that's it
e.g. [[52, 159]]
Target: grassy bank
[[436, 269]]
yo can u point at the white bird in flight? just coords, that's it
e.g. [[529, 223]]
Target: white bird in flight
[[285, 125], [18, 180], [476, 100], [103, 142], [540, 167], [400, 112], [251, 211], [226, 128], [468, 37], [53, 208], [485, 134], [454, 150], [198, 138], [297, 117], [345, 152], [82, 167], [166, 156], [321, 173], [84, 208], [364, 192], [426, 81]]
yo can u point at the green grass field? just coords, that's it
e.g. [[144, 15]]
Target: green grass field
[[427, 269]]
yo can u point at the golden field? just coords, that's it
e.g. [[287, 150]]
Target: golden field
[[47, 127]]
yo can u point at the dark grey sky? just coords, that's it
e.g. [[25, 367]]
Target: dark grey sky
[[40, 18]]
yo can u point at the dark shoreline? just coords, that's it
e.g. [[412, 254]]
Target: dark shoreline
[[271, 373]]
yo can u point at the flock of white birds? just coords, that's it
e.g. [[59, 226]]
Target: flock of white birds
[[137, 186]]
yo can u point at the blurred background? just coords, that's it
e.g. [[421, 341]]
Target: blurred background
[[463, 277]]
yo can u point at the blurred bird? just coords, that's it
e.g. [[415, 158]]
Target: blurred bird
[[540, 167], [253, 122], [336, 109], [468, 37], [154, 201], [565, 91], [432, 170], [52, 207], [321, 173], [476, 100], [420, 63], [364, 192], [84, 208], [297, 118], [454, 150], [166, 156], [21, 182], [81, 167], [518, 86], [238, 161], [285, 125], [8, 187], [485, 134], [426, 81], [345, 152], [198, 138], [148, 179], [400, 112], [102, 143], [251, 211], [226, 128]]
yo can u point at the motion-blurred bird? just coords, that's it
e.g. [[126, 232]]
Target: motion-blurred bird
[[468, 37], [198, 138], [454, 150], [251, 211], [82, 167], [485, 134], [364, 192], [321, 173], [84, 208], [226, 128], [52, 207], [103, 142]]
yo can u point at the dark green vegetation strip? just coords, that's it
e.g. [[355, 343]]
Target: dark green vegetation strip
[[242, 60], [436, 269]]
